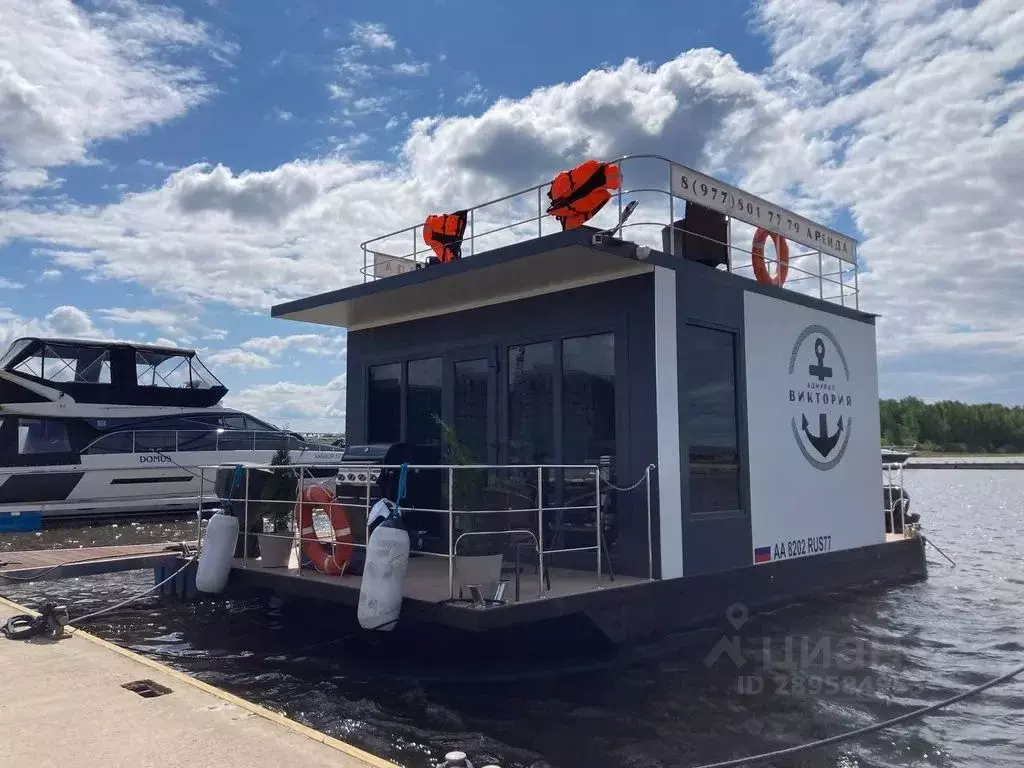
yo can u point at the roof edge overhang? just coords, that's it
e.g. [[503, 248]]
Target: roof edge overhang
[[557, 262], [544, 265]]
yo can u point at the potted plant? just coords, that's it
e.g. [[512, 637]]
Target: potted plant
[[478, 558], [278, 501]]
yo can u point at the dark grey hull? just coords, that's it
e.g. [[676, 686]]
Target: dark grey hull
[[642, 610]]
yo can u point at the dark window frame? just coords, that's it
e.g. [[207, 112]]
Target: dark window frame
[[405, 394], [505, 394], [368, 381], [616, 381], [736, 337], [48, 423], [617, 326]]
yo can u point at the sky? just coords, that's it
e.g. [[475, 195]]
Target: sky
[[168, 172]]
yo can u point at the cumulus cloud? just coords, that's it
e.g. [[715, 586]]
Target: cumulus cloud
[[70, 77], [371, 35], [414, 68], [309, 407], [25, 178], [246, 240], [312, 343], [69, 320], [267, 196], [907, 115], [924, 102], [63, 321], [237, 358], [475, 95], [9, 284], [161, 317], [181, 322], [700, 108]]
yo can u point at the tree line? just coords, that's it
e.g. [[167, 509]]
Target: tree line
[[953, 426]]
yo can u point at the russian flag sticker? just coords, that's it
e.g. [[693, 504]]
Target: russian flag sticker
[[762, 555]]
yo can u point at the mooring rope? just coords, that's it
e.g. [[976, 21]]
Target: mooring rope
[[139, 596], [929, 542], [849, 735]]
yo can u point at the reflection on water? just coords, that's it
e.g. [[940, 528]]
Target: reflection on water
[[151, 530], [795, 675]]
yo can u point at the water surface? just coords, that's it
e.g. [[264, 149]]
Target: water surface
[[807, 672]]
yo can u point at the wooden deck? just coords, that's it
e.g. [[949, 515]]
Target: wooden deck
[[426, 580], [86, 561]]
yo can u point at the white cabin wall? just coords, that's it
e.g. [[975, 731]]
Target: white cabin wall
[[666, 359], [805, 500]]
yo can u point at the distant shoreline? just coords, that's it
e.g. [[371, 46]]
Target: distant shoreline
[[953, 455]]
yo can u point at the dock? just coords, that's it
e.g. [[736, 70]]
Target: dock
[[85, 702], [88, 561], [963, 464]]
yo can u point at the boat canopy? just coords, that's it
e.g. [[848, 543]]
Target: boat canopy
[[118, 373]]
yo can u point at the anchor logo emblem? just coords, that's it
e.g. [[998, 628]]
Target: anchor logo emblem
[[823, 442], [825, 390]]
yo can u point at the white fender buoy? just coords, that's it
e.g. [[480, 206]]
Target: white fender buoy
[[387, 557], [217, 552]]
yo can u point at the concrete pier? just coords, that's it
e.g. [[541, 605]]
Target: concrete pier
[[65, 704]]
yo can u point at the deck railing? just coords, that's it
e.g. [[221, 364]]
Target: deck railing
[[826, 266], [537, 523], [212, 439], [895, 505]]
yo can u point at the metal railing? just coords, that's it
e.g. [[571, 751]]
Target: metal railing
[[456, 518], [827, 269], [895, 505], [212, 439]]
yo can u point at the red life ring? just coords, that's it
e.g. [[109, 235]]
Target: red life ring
[[757, 257], [330, 561]]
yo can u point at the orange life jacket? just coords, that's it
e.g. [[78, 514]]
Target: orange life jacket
[[578, 195], [443, 232]]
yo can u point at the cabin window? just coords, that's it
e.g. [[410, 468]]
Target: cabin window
[[58, 364], [193, 439], [384, 403], [712, 420], [159, 369], [260, 426], [39, 436], [423, 401], [472, 394], [234, 421], [588, 398], [531, 403], [115, 442], [61, 363], [201, 376], [96, 371], [16, 349], [154, 440]]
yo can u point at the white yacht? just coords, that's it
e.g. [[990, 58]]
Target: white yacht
[[94, 429]]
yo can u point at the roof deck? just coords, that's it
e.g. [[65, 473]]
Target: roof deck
[[512, 249]]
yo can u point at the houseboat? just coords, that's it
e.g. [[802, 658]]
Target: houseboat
[[92, 429], [672, 419]]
